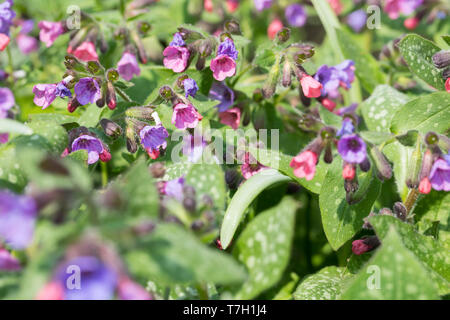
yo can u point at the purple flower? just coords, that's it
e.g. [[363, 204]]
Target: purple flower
[[447, 157], [190, 87], [440, 175], [92, 145], [4, 137], [227, 48], [17, 219], [97, 281], [6, 16], [260, 5], [174, 188], [8, 262], [62, 91], [27, 44], [332, 78], [193, 146], [357, 20], [177, 40], [44, 94], [219, 91], [153, 138], [176, 58], [347, 127], [406, 7], [350, 109], [87, 91], [26, 26], [223, 66], [50, 31], [352, 148], [6, 101], [185, 116], [346, 73], [295, 15], [128, 66]]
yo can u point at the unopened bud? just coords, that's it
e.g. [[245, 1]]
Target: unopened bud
[[328, 156], [94, 67], [131, 140], [143, 27], [287, 74], [144, 113], [188, 191], [197, 225], [166, 93], [446, 74], [72, 63], [257, 95], [414, 167], [365, 165], [365, 244], [283, 35], [400, 211], [111, 99], [383, 168], [427, 164], [73, 104], [157, 170], [441, 59], [233, 27], [270, 84], [232, 178], [200, 64], [431, 138], [112, 75], [111, 128]]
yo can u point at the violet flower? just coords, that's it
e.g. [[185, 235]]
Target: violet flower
[[92, 145], [8, 262], [177, 40], [185, 116], [219, 91], [347, 127], [440, 175], [352, 148], [87, 91], [190, 87], [260, 5], [128, 66], [357, 20], [153, 138], [227, 47], [17, 219], [396, 7], [7, 101], [174, 188], [50, 31], [176, 58], [6, 16], [295, 15]]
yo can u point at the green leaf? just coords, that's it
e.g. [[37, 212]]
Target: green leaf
[[49, 133], [246, 193], [430, 252], [264, 56], [12, 126], [11, 175], [208, 179], [280, 161], [176, 170], [341, 221], [399, 156], [172, 255], [91, 116], [379, 109], [426, 113], [376, 137], [326, 284], [265, 247], [55, 117], [392, 274], [366, 67], [329, 118], [417, 53]]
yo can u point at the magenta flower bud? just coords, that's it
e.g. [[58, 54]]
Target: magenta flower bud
[[50, 31], [8, 262], [87, 90], [17, 219], [251, 166], [365, 244], [73, 104], [27, 44], [311, 87], [111, 99], [128, 66], [185, 116], [176, 58]]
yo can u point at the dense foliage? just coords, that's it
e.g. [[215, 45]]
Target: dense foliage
[[232, 149]]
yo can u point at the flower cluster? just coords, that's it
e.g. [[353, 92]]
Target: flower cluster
[[7, 101]]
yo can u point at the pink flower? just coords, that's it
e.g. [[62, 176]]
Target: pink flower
[[232, 5], [85, 52], [51, 291], [349, 171], [275, 26], [425, 186], [185, 116], [250, 166], [304, 165], [4, 41], [447, 85], [329, 104], [336, 5], [231, 117], [411, 23], [8, 262], [310, 86], [26, 43], [208, 5], [176, 58], [130, 290], [4, 137], [50, 31], [128, 66], [223, 66], [44, 94]]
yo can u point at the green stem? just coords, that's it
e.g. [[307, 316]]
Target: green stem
[[411, 199], [104, 168], [202, 291], [10, 65]]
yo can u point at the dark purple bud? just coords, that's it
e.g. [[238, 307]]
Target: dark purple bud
[[189, 204], [400, 211], [383, 168], [200, 64], [441, 59], [188, 191], [208, 201], [304, 99], [328, 156], [73, 104], [111, 128], [197, 225], [365, 165], [157, 170], [53, 166], [233, 27], [232, 178], [446, 74], [131, 140], [367, 224], [365, 244]]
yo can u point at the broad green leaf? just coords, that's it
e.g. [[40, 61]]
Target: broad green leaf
[[47, 132], [434, 207], [376, 137], [265, 247], [172, 255], [329, 118], [393, 273], [280, 161], [341, 221], [399, 156], [91, 116], [176, 170], [379, 109], [246, 193], [417, 53], [326, 284], [12, 126], [55, 117], [429, 251], [208, 179], [366, 67], [11, 174], [426, 113]]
